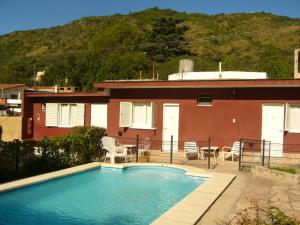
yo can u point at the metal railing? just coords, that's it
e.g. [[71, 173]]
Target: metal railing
[[268, 154]]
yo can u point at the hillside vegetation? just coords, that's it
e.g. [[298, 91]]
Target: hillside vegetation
[[115, 47]]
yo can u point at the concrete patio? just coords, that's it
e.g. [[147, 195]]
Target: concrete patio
[[246, 187]]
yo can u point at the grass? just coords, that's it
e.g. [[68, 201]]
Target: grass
[[284, 169]]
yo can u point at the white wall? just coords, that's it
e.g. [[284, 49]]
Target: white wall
[[217, 75]]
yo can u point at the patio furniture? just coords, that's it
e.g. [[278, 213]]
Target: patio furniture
[[191, 149], [110, 144], [213, 150], [144, 147], [130, 150], [232, 151]]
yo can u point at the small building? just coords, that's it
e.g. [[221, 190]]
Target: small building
[[10, 111], [10, 100], [224, 110]]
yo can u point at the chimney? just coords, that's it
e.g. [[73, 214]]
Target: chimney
[[297, 64]]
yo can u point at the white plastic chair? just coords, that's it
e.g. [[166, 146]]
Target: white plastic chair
[[232, 151], [113, 150], [191, 149], [144, 147]]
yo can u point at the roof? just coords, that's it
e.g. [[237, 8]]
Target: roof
[[11, 86], [137, 84], [65, 94]]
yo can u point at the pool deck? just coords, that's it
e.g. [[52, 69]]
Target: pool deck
[[187, 211]]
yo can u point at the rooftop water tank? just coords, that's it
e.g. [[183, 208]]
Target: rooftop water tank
[[186, 65]]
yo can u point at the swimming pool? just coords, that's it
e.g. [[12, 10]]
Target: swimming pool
[[135, 195]]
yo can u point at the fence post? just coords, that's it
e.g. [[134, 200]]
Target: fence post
[[137, 148], [241, 155], [269, 154], [263, 154], [171, 156], [208, 163], [17, 146]]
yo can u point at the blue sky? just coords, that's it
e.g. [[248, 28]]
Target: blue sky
[[31, 14]]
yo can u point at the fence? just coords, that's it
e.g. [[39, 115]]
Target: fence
[[268, 154], [170, 151]]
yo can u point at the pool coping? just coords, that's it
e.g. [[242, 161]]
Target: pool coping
[[189, 210]]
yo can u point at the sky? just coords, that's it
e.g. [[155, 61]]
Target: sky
[[32, 14]]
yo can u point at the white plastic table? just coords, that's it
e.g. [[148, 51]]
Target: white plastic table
[[213, 149], [129, 148]]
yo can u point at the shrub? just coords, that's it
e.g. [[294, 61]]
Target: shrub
[[257, 215], [85, 142], [81, 145]]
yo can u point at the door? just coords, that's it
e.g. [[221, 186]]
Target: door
[[273, 127], [99, 115], [170, 126]]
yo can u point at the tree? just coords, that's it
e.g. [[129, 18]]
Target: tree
[[166, 40], [274, 61]]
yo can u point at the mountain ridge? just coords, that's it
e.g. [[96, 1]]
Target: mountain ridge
[[108, 47]]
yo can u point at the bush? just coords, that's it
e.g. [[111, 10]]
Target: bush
[[257, 215], [85, 142], [81, 145]]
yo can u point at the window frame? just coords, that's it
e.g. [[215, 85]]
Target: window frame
[[151, 125], [145, 112], [69, 115], [288, 125], [205, 103]]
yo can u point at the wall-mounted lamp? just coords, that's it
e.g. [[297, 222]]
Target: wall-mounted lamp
[[38, 117]]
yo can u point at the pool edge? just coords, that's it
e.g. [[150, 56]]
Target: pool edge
[[188, 210]]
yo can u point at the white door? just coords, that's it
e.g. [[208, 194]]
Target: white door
[[170, 126], [99, 115], [273, 127]]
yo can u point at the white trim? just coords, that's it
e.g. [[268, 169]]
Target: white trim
[[170, 104]]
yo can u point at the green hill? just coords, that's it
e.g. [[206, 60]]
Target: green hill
[[112, 47]]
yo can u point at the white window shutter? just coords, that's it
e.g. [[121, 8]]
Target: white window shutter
[[153, 106], [287, 123], [51, 114], [125, 114], [80, 115]]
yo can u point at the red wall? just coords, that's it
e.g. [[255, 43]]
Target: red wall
[[39, 128], [199, 123], [196, 123]]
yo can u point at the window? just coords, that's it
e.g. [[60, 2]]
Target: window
[[292, 118], [64, 115], [67, 115], [142, 115], [43, 107], [204, 100], [137, 115], [14, 96]]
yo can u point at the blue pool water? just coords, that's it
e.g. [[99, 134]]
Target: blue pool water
[[136, 195]]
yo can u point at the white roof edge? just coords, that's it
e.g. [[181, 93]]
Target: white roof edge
[[215, 75]]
